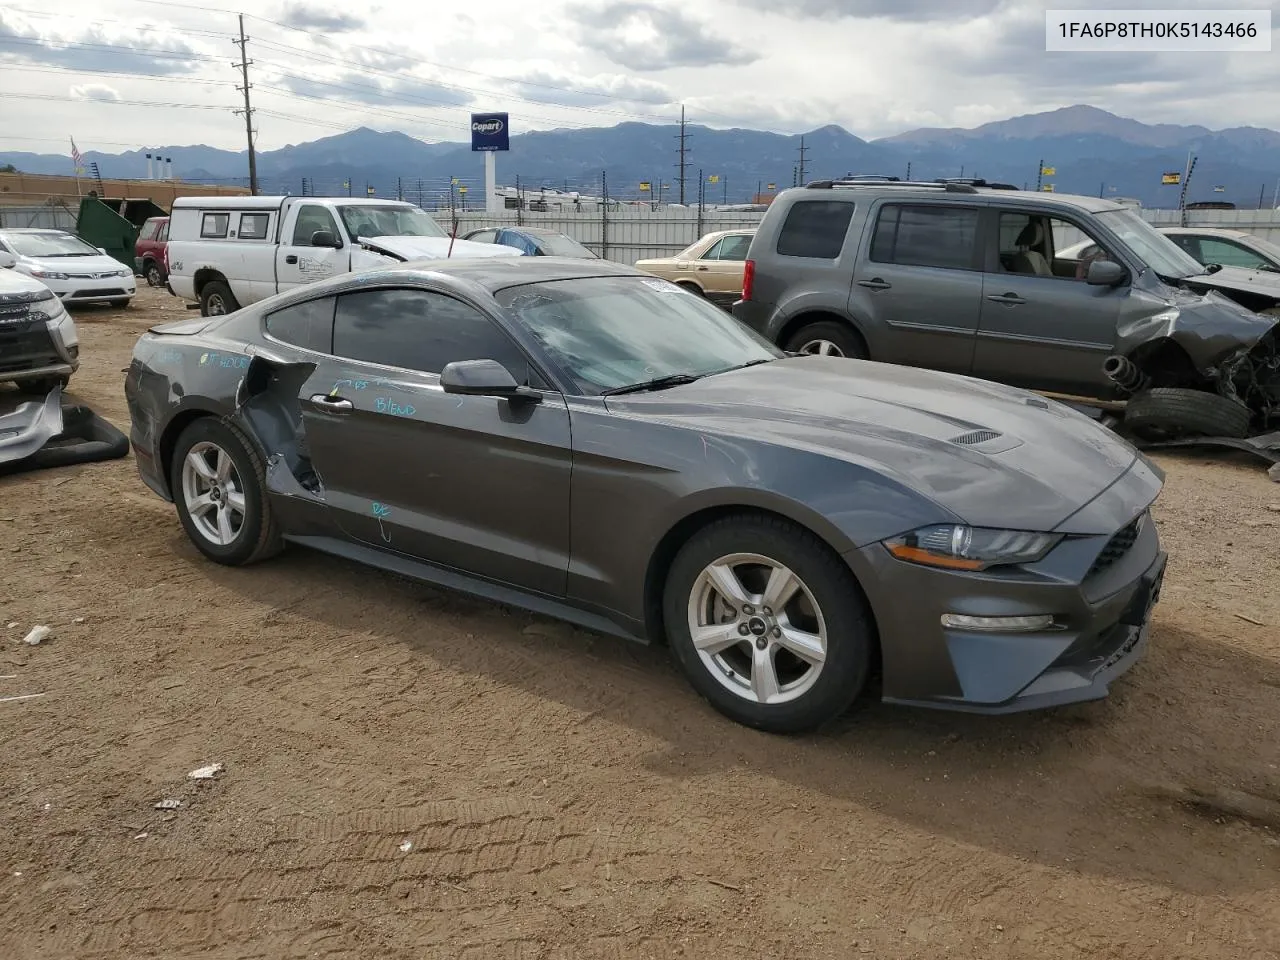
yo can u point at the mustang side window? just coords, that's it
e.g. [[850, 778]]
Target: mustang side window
[[420, 330]]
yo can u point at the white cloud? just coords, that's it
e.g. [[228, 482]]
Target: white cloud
[[876, 67], [94, 91]]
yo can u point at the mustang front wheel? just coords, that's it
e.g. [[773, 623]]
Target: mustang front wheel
[[218, 484], [768, 624]]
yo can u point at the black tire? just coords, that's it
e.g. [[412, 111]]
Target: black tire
[[43, 385], [693, 288], [155, 276], [851, 634], [1167, 413], [121, 303], [216, 299], [259, 536], [843, 337]]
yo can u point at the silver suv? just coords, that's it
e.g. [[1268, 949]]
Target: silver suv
[[968, 277]]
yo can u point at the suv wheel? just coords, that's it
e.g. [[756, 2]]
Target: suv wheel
[[155, 277], [1170, 413], [828, 338], [768, 624]]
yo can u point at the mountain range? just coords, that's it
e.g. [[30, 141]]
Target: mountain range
[[1091, 151]]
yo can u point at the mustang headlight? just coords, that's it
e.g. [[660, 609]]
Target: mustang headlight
[[957, 547]]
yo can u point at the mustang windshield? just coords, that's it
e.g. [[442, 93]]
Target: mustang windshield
[[379, 221], [612, 332]]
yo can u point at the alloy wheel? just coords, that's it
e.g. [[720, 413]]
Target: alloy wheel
[[757, 628], [213, 493], [822, 348]]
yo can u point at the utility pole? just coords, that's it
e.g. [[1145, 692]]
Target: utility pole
[[908, 170], [1039, 175], [803, 150], [243, 44], [683, 137]]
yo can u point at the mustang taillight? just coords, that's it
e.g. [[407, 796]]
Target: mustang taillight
[[748, 278]]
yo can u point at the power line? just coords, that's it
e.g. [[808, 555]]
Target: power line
[[243, 44]]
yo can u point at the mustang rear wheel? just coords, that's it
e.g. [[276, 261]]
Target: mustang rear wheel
[[218, 484], [768, 624]]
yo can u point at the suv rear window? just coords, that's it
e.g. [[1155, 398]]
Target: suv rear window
[[926, 236], [815, 229]]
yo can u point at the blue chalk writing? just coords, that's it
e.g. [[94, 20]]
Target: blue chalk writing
[[387, 405], [381, 510], [170, 356], [353, 384], [223, 360]]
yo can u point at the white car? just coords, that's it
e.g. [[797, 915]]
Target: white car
[[39, 347], [74, 270]]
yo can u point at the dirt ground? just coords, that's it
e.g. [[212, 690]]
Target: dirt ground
[[414, 774]]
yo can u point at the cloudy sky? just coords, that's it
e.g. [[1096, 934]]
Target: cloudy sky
[[123, 74]]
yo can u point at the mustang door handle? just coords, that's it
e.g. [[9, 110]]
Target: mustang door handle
[[331, 403], [291, 258], [875, 284], [1007, 298]]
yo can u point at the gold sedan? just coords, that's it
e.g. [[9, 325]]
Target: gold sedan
[[711, 266]]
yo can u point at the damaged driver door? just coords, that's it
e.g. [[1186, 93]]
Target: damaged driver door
[[476, 484]]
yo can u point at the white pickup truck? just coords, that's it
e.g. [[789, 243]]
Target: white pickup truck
[[228, 252]]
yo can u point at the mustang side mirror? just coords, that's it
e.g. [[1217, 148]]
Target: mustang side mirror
[[324, 238], [1104, 273], [484, 378], [7, 260]]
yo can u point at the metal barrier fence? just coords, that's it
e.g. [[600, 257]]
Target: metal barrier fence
[[633, 234], [628, 233], [50, 216], [625, 235]]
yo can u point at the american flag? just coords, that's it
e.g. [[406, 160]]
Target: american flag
[[75, 156]]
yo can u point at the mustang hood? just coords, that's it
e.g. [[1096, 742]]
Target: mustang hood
[[992, 455], [433, 248]]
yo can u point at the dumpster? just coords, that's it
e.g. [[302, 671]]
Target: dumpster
[[113, 224]]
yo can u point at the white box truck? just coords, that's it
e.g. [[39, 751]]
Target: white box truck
[[228, 252]]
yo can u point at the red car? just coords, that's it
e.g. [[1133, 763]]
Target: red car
[[148, 253]]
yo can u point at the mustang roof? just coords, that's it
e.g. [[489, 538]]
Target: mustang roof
[[497, 273]]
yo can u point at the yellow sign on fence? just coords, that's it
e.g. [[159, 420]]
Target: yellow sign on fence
[[1048, 171], [644, 186], [1171, 178]]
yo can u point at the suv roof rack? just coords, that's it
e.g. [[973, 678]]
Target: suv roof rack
[[950, 184], [978, 182]]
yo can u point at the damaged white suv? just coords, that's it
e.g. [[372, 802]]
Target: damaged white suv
[[39, 347]]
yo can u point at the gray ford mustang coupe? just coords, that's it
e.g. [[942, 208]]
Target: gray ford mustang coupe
[[583, 440]]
